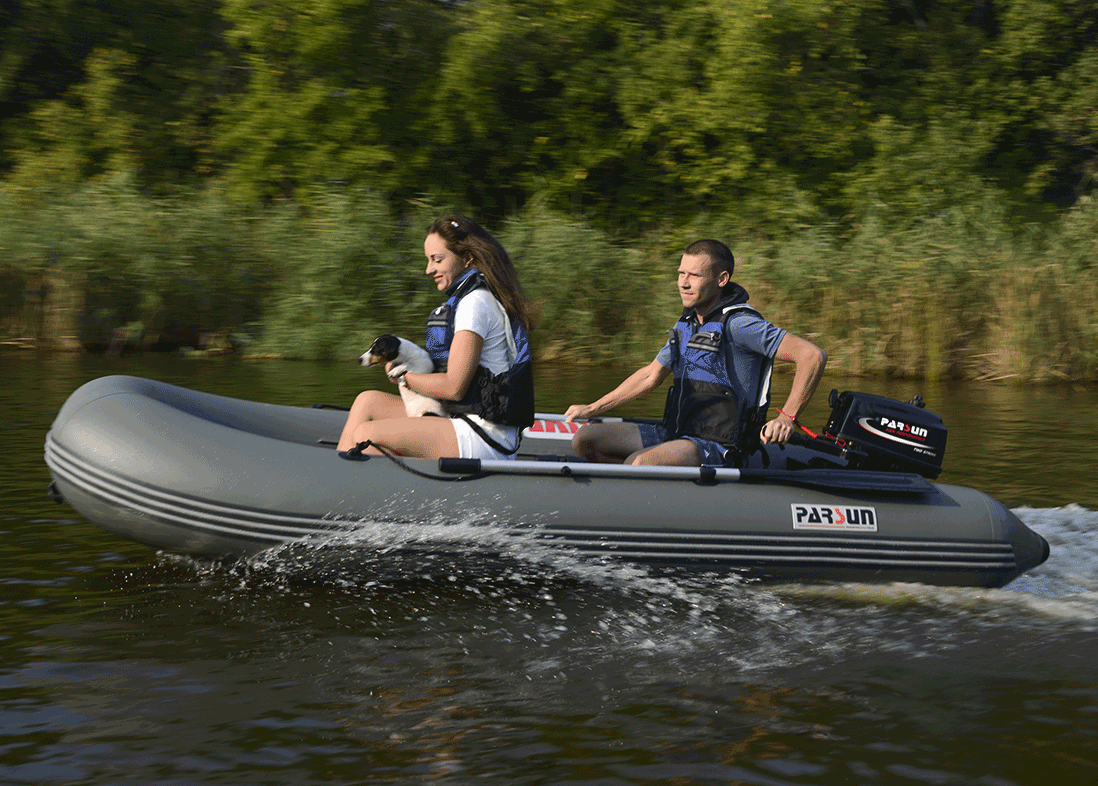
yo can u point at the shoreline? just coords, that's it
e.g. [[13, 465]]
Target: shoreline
[[839, 370]]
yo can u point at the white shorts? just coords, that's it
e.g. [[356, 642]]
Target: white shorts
[[470, 445]]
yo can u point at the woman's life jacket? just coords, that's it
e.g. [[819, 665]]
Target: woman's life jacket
[[506, 398], [703, 401]]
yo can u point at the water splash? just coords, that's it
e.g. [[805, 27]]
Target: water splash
[[489, 590], [371, 552]]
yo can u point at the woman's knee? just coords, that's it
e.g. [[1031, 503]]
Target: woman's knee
[[366, 399], [370, 405]]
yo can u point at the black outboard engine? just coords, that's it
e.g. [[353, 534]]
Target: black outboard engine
[[877, 433]]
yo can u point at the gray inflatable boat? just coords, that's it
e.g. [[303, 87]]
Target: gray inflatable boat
[[206, 475]]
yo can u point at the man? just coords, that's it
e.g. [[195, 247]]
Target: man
[[721, 352]]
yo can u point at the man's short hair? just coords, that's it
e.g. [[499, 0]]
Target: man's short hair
[[719, 254]]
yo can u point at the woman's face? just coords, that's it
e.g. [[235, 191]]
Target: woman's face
[[442, 264]]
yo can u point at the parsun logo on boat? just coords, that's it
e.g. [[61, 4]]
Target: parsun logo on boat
[[834, 517]]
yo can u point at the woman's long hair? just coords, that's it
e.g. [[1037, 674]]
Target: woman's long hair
[[472, 243]]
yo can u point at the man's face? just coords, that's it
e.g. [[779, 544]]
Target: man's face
[[699, 285]]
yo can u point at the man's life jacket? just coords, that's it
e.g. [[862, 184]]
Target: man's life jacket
[[702, 401], [506, 398]]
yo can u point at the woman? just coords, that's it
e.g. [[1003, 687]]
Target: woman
[[478, 339]]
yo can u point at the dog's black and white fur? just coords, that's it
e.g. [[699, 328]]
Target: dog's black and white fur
[[407, 357]]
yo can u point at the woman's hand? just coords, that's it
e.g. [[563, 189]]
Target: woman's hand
[[396, 378]]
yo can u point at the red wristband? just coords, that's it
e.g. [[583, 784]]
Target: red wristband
[[797, 423]]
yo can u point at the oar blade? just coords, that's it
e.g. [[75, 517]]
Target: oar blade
[[845, 479]]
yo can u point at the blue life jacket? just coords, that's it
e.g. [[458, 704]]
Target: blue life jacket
[[506, 398], [702, 401]]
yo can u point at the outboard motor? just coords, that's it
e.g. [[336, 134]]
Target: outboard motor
[[877, 433]]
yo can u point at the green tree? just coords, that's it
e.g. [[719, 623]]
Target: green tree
[[41, 56], [89, 132], [131, 88], [334, 93], [781, 113], [1048, 54], [525, 102]]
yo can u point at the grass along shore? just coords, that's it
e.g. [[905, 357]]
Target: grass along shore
[[961, 296]]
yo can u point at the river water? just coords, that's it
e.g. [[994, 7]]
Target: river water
[[120, 665]]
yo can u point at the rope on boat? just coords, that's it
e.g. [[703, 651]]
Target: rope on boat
[[356, 454]]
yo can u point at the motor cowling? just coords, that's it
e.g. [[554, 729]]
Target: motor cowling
[[883, 434]]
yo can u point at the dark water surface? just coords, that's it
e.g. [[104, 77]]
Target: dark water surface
[[119, 665]]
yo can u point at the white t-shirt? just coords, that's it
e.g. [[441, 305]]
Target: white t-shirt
[[479, 312]]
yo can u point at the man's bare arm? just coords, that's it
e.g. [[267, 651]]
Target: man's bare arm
[[809, 360], [640, 382]]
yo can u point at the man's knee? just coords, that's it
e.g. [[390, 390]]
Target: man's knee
[[609, 442], [649, 457], [679, 452], [585, 442], [642, 458]]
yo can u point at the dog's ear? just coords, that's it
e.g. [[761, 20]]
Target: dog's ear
[[385, 346]]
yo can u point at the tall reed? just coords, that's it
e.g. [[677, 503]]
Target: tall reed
[[948, 298], [963, 295]]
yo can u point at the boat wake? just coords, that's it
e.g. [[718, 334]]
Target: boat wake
[[416, 556], [1073, 564], [1064, 588], [478, 593]]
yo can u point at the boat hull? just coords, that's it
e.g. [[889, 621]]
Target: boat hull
[[206, 475]]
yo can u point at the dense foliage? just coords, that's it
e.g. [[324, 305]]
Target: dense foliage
[[631, 112], [245, 165]]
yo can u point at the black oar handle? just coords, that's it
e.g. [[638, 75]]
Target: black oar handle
[[459, 466]]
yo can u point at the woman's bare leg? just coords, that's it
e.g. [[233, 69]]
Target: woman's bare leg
[[426, 437], [369, 405]]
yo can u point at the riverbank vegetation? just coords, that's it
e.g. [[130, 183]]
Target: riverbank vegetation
[[963, 296], [909, 183]]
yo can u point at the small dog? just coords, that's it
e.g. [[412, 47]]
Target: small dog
[[408, 357]]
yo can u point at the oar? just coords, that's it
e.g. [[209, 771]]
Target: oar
[[850, 480]]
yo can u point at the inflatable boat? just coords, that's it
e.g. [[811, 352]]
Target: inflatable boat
[[211, 476]]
